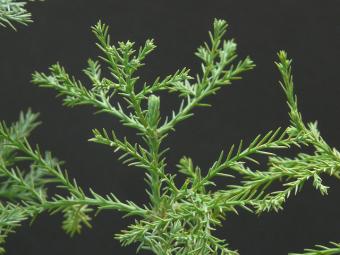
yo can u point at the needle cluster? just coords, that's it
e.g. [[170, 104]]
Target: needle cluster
[[14, 12]]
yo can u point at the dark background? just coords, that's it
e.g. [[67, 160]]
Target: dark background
[[308, 30]]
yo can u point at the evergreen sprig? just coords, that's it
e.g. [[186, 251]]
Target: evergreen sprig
[[172, 216], [13, 12], [333, 249], [24, 192], [179, 218]]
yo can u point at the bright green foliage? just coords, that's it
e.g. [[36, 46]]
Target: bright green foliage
[[12, 12], [179, 219], [321, 250], [17, 186], [293, 173], [23, 192]]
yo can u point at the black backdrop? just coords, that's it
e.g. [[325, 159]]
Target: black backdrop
[[308, 30]]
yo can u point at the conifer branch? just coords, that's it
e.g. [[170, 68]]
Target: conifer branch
[[13, 12], [179, 218], [321, 250]]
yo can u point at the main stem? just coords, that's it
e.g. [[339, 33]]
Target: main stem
[[156, 169], [153, 141]]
